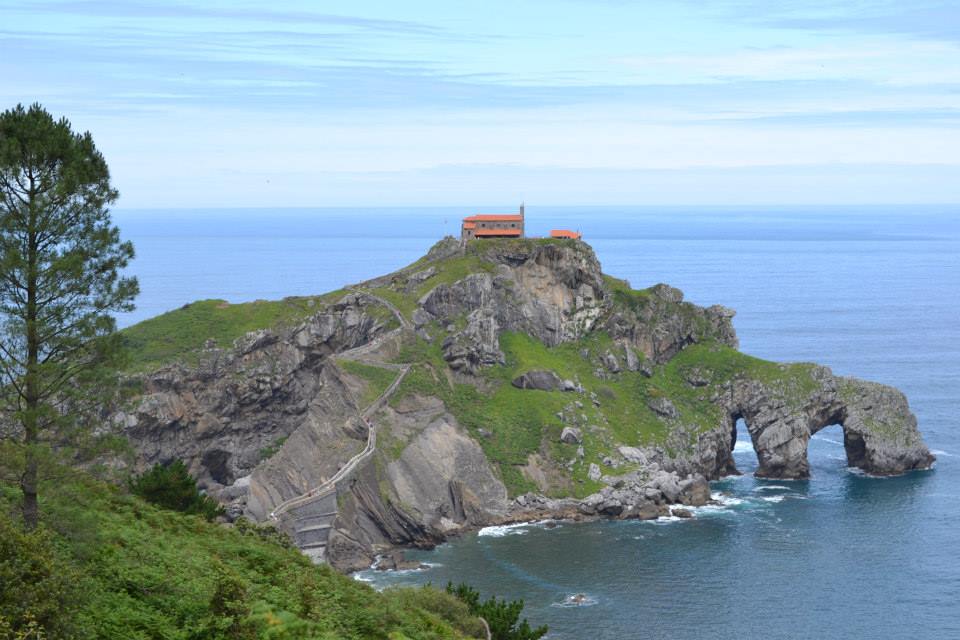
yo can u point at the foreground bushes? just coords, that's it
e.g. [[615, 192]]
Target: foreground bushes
[[172, 487], [107, 565], [502, 616]]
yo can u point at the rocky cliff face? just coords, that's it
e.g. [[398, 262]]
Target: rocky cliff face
[[271, 395], [880, 432], [645, 408]]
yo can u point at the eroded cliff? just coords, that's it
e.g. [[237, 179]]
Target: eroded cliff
[[503, 380]]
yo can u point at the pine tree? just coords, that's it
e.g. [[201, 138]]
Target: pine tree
[[61, 260]]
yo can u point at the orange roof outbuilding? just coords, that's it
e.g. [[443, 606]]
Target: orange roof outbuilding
[[566, 233]]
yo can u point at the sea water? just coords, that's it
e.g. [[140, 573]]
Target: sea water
[[872, 292]]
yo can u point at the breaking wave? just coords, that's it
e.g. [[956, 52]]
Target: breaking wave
[[499, 531]]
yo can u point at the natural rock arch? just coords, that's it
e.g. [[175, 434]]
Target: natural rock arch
[[880, 433]]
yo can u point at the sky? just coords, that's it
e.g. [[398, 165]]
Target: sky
[[417, 103]]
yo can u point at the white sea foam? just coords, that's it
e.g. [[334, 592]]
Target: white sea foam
[[771, 487], [773, 499], [941, 452], [724, 500], [666, 519], [588, 601], [742, 445], [502, 530], [825, 439]]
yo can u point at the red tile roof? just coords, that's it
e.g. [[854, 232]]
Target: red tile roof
[[565, 233], [494, 217], [480, 233], [469, 225]]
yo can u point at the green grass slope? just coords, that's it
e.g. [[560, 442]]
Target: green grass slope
[[511, 424], [106, 565]]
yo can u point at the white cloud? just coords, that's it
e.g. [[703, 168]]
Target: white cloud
[[881, 60]]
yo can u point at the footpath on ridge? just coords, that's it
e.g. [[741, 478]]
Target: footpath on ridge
[[309, 516]]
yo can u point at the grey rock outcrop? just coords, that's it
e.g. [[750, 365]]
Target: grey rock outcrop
[[221, 416], [538, 379], [879, 430]]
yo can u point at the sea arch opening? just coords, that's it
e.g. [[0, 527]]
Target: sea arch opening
[[781, 448], [744, 456]]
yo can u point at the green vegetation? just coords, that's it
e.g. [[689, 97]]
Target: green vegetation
[[501, 616], [61, 282], [626, 297], [171, 487], [182, 333], [377, 379], [522, 422], [106, 565]]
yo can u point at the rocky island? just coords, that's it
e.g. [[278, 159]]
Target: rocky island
[[488, 382]]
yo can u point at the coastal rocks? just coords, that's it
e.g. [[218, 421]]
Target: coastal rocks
[[658, 324], [594, 472], [637, 495], [880, 434], [695, 491], [538, 379], [395, 561], [571, 435]]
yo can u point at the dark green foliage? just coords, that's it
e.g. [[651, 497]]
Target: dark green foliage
[[171, 487], [502, 616], [61, 261], [37, 587], [145, 573]]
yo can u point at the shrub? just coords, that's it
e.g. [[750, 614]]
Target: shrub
[[171, 487], [38, 590], [501, 615]]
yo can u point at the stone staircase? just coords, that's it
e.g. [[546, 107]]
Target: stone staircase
[[309, 516]]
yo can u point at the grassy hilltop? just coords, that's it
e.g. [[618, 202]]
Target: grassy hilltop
[[515, 427]]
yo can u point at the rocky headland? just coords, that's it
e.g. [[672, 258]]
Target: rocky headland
[[504, 381]]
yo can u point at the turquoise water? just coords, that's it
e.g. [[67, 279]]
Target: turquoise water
[[871, 292]]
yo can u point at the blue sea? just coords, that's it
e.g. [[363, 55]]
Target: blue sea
[[870, 291]]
